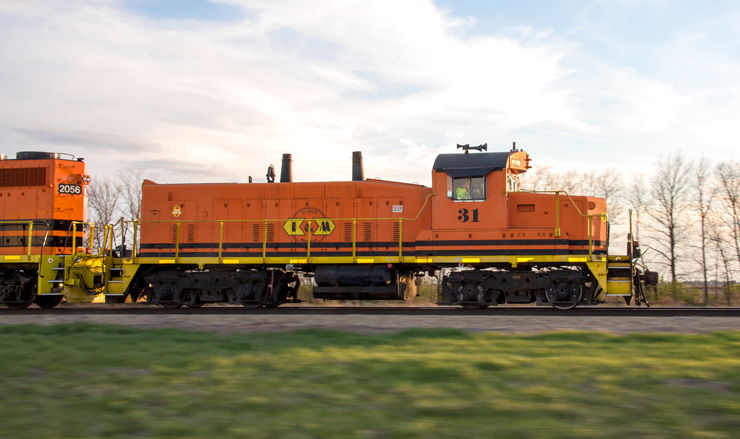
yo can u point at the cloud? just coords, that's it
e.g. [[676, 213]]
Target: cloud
[[89, 140], [182, 170], [398, 80]]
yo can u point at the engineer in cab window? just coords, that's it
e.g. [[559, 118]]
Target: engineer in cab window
[[462, 192]]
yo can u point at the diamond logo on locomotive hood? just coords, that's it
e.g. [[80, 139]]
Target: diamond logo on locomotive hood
[[298, 226]]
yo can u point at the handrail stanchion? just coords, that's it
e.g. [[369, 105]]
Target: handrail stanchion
[[354, 241], [590, 238], [220, 239], [91, 235], [264, 245], [177, 242], [123, 233], [74, 238], [135, 224], [104, 250], [30, 236], [308, 255], [557, 214], [110, 238], [400, 240]]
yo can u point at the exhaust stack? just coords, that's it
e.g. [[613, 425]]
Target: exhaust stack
[[286, 172], [358, 171]]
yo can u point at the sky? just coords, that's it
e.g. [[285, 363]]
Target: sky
[[210, 91]]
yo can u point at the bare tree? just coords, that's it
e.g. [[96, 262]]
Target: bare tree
[[669, 189], [570, 181], [637, 198], [723, 257], [728, 192], [103, 198], [540, 178], [608, 184], [129, 185], [702, 205]]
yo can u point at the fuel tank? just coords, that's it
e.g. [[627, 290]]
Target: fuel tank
[[353, 275]]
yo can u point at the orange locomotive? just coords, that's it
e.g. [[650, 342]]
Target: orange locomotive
[[372, 239], [42, 198]]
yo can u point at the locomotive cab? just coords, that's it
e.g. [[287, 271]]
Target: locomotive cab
[[473, 189], [523, 247]]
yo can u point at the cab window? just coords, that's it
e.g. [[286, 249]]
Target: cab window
[[466, 188]]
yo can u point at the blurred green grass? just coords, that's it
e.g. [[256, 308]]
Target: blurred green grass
[[83, 380]]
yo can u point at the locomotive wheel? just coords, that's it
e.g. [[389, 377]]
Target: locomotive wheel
[[567, 305], [474, 306], [252, 305], [272, 305], [564, 306], [196, 305], [563, 290], [18, 305], [48, 302], [169, 305]]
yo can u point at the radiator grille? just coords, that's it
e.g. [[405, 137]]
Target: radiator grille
[[256, 232], [14, 177], [271, 232], [174, 232], [348, 232], [396, 231], [367, 229], [191, 232]]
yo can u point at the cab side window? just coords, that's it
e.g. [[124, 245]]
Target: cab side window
[[466, 188]]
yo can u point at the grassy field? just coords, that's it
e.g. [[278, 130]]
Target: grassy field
[[81, 380]]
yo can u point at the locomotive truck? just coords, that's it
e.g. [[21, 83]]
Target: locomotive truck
[[364, 239]]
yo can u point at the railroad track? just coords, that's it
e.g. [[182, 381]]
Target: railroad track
[[379, 311]]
